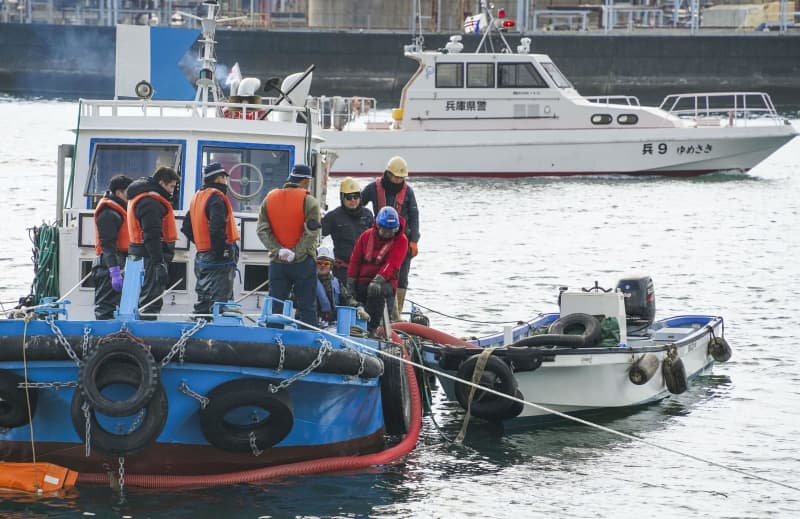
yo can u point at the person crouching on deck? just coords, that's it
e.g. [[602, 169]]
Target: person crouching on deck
[[151, 224], [288, 226], [210, 225], [375, 265], [111, 241], [328, 288]]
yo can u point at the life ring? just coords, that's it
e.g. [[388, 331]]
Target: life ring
[[252, 393], [591, 327], [142, 374], [394, 393], [152, 423], [719, 349], [13, 402], [496, 375]]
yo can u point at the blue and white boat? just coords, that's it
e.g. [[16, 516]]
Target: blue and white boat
[[240, 395], [603, 350]]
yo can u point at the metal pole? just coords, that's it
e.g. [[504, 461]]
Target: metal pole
[[64, 151]]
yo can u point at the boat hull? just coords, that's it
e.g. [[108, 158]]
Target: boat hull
[[524, 153]]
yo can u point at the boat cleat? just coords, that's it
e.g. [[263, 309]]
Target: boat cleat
[[51, 306], [227, 313]]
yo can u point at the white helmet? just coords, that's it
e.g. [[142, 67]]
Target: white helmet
[[325, 253]]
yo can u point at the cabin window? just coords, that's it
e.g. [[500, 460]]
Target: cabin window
[[627, 118], [134, 159], [518, 75], [602, 119], [254, 170], [480, 75], [555, 74], [449, 75]]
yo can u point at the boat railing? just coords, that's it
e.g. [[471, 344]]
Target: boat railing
[[157, 109], [614, 100], [733, 107], [337, 111]]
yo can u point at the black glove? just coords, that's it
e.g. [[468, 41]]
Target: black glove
[[162, 274], [375, 288], [349, 289]]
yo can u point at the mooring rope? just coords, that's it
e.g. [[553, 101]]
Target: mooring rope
[[520, 321], [557, 413]]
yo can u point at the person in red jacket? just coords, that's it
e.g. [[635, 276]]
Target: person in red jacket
[[375, 264]]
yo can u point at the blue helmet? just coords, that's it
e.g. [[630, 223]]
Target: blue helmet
[[388, 218]]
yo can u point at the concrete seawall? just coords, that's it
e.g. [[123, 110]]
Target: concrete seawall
[[72, 61]]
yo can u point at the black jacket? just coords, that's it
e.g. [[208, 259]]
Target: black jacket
[[408, 210], [345, 228]]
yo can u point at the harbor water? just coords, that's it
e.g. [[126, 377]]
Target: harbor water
[[496, 251]]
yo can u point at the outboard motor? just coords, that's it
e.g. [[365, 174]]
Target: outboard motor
[[640, 302]]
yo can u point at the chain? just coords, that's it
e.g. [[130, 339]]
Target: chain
[[186, 390], [181, 344], [121, 460], [63, 340], [138, 420], [47, 385], [87, 416], [325, 348], [362, 360], [85, 343], [253, 446], [282, 359]]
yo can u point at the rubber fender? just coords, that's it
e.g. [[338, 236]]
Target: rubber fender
[[523, 358], [13, 402], [152, 423], [643, 369], [142, 373], [674, 375], [243, 393], [551, 339], [394, 393], [719, 349], [497, 375], [592, 333]]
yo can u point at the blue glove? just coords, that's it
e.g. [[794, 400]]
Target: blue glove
[[116, 278], [375, 288]]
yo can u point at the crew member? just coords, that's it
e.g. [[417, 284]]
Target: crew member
[[210, 225], [111, 246], [375, 265], [288, 226], [392, 190], [153, 233], [345, 224], [328, 287]]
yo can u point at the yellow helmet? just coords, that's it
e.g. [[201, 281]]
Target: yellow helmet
[[349, 185], [397, 166]]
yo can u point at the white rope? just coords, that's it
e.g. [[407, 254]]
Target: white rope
[[26, 309], [558, 413], [162, 296]]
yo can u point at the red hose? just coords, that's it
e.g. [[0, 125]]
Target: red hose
[[431, 334], [291, 469]]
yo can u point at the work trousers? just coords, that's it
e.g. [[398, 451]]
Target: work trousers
[[300, 276], [214, 281]]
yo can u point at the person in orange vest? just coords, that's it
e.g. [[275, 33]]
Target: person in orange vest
[[210, 225], [153, 233], [288, 226], [393, 190], [111, 246]]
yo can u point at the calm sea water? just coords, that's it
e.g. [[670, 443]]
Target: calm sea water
[[497, 251]]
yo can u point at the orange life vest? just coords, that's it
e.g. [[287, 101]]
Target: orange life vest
[[169, 231], [32, 477], [123, 238], [197, 214], [286, 216], [398, 200]]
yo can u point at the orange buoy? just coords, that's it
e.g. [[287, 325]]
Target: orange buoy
[[36, 477]]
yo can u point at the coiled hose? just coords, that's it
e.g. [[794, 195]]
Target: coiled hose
[[45, 262]]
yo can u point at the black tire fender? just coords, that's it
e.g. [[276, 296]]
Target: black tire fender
[[674, 375], [496, 375], [142, 374], [395, 393], [591, 327], [13, 402], [107, 442], [246, 392], [719, 349]]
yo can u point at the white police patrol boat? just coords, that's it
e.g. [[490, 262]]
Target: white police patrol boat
[[505, 112], [601, 351], [244, 394]]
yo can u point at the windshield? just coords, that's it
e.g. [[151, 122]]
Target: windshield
[[556, 75]]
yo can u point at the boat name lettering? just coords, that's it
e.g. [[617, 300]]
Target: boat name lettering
[[465, 106], [649, 148]]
